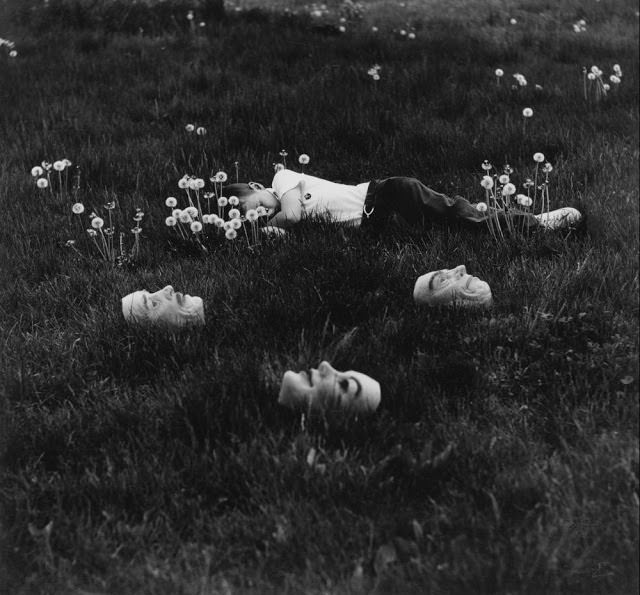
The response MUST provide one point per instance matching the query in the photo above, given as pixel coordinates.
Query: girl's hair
(241, 190)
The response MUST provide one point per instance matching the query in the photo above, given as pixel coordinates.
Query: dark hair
(240, 190)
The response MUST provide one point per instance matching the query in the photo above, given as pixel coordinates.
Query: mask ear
(256, 185)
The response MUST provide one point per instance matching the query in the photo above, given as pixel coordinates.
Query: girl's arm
(290, 208)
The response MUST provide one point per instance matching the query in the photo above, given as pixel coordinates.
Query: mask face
(451, 286)
(165, 307)
(325, 387)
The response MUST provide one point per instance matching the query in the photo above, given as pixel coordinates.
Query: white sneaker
(560, 218)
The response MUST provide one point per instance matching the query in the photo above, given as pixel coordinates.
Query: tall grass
(163, 461)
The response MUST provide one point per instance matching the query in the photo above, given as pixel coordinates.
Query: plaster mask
(164, 307)
(326, 387)
(450, 286)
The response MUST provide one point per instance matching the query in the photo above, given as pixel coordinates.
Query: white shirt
(342, 203)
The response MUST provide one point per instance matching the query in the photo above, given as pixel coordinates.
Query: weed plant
(504, 455)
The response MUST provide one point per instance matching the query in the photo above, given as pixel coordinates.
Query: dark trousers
(417, 204)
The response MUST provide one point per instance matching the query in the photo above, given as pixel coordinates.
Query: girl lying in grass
(294, 196)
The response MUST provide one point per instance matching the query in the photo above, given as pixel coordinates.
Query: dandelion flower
(548, 168)
(183, 183)
(236, 223)
(189, 127)
(234, 201)
(97, 223)
(539, 157)
(92, 233)
(504, 179)
(487, 182)
(201, 131)
(303, 159)
(527, 112)
(523, 200)
(78, 208)
(222, 201)
(221, 177)
(37, 171)
(261, 211)
(231, 234)
(252, 215)
(193, 212)
(234, 214)
(185, 217)
(170, 221)
(481, 207)
(58, 165)
(196, 227)
(42, 183)
(508, 189)
(499, 72)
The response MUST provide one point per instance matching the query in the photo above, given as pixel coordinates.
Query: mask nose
(461, 270)
(325, 368)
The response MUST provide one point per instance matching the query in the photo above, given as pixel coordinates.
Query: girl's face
(262, 198)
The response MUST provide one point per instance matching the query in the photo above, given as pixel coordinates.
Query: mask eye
(344, 385)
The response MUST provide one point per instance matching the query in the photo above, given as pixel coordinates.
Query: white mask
(165, 307)
(450, 286)
(325, 387)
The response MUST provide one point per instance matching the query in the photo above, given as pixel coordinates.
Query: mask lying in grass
(327, 388)
(451, 286)
(165, 308)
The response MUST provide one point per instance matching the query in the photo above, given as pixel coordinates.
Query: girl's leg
(419, 204)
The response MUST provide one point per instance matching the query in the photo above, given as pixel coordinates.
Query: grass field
(138, 461)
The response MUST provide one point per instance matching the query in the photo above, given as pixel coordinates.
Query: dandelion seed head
(504, 179)
(189, 127)
(221, 177)
(523, 200)
(375, 76)
(342, 28)
(13, 54)
(176, 213)
(606, 86)
(201, 131)
(196, 227)
(58, 165)
(513, 21)
(92, 233)
(192, 184)
(481, 207)
(486, 165)
(591, 76)
(78, 208)
(236, 223)
(193, 212)
(303, 159)
(508, 189)
(527, 112)
(252, 215)
(487, 182)
(548, 168)
(199, 183)
(539, 157)
(97, 223)
(170, 221)
(171, 202)
(614, 79)
(223, 201)
(499, 72)
(42, 183)
(36, 171)
(218, 221)
(231, 234)
(411, 35)
(234, 214)
(261, 211)
(234, 201)
(183, 183)
(184, 217)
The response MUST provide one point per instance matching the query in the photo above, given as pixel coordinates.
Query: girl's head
(253, 195)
